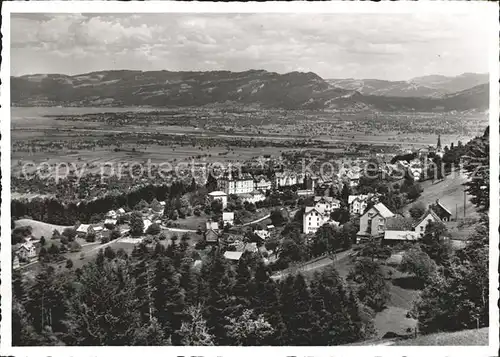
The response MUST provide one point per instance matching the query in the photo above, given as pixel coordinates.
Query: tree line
(157, 296)
(54, 211)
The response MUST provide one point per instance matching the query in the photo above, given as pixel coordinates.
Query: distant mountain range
(435, 86)
(295, 90)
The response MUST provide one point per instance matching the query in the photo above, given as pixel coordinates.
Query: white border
(487, 10)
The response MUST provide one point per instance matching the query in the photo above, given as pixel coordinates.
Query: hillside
(39, 229)
(435, 86)
(294, 90)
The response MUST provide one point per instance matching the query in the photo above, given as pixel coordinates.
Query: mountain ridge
(433, 86)
(293, 90)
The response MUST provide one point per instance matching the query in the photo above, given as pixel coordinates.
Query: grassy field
(461, 338)
(450, 193)
(40, 229)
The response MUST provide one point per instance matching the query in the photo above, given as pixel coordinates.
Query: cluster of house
(150, 215)
(378, 222)
(213, 234)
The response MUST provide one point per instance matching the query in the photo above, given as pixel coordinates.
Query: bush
(153, 229)
(115, 234)
(74, 247)
(200, 245)
(104, 240)
(162, 236)
(69, 264)
(69, 233)
(90, 237)
(418, 263)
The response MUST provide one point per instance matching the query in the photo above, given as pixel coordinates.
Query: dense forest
(159, 297)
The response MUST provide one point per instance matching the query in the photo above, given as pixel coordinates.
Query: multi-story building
(287, 178)
(315, 217)
(262, 184)
(372, 223)
(235, 186)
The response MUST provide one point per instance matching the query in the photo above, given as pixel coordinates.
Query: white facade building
(314, 218)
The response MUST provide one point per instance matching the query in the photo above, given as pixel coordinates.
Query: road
(316, 264)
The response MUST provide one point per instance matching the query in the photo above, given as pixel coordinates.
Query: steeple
(439, 142)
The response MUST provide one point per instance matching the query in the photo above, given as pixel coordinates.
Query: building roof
(211, 235)
(227, 215)
(428, 212)
(212, 225)
(217, 193)
(443, 207)
(83, 228)
(233, 255)
(28, 246)
(262, 233)
(110, 221)
(320, 210)
(353, 198)
(401, 235)
(383, 210)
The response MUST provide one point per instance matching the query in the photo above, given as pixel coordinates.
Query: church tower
(439, 142)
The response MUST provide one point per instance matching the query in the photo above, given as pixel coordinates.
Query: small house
(441, 211)
(228, 218)
(372, 223)
(110, 223)
(262, 233)
(219, 195)
(211, 236)
(233, 255)
(422, 223)
(112, 214)
(120, 211)
(84, 229)
(26, 251)
(212, 225)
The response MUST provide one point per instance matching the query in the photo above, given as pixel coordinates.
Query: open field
(450, 193)
(40, 229)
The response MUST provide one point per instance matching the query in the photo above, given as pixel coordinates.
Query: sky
(382, 46)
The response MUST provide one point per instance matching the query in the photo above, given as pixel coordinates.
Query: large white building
(236, 186)
(262, 184)
(315, 217)
(287, 178)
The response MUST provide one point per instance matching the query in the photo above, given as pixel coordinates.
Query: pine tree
(104, 309)
(219, 303)
(296, 312)
(44, 298)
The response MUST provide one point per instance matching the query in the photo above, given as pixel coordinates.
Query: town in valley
(247, 207)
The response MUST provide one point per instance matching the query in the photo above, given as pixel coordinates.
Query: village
(242, 211)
